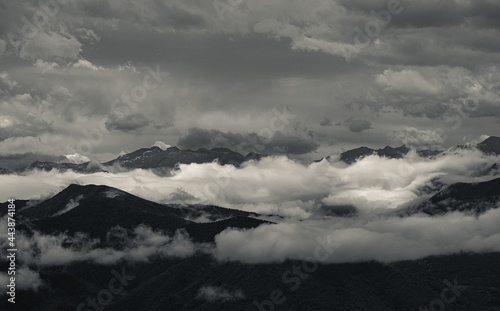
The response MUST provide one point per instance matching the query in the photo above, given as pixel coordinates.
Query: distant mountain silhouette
(155, 157)
(147, 158)
(159, 160)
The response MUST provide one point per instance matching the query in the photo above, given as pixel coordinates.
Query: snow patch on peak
(77, 158)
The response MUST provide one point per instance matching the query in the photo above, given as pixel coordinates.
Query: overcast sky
(312, 78)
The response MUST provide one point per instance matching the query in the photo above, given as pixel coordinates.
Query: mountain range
(164, 160)
(106, 220)
(491, 145)
(146, 158)
(469, 198)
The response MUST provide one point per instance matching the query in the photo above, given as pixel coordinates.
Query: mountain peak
(353, 155)
(490, 145)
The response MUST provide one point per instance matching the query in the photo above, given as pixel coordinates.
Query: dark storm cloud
(217, 57)
(32, 127)
(434, 13)
(288, 144)
(6, 83)
(127, 123)
(441, 93)
(261, 54)
(358, 125)
(326, 122)
(96, 8)
(279, 144)
(181, 19)
(148, 14)
(421, 139)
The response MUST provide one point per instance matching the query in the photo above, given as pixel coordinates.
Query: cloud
(277, 185)
(88, 35)
(7, 80)
(375, 186)
(31, 126)
(77, 158)
(215, 294)
(143, 244)
(279, 143)
(161, 145)
(18, 160)
(437, 92)
(71, 205)
(422, 139)
(45, 66)
(82, 63)
(3, 46)
(438, 14)
(406, 81)
(127, 123)
(326, 122)
(358, 125)
(48, 46)
(417, 66)
(385, 239)
(303, 38)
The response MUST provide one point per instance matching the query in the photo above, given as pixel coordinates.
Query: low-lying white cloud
(55, 250)
(276, 185)
(324, 240)
(280, 186)
(339, 240)
(26, 279)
